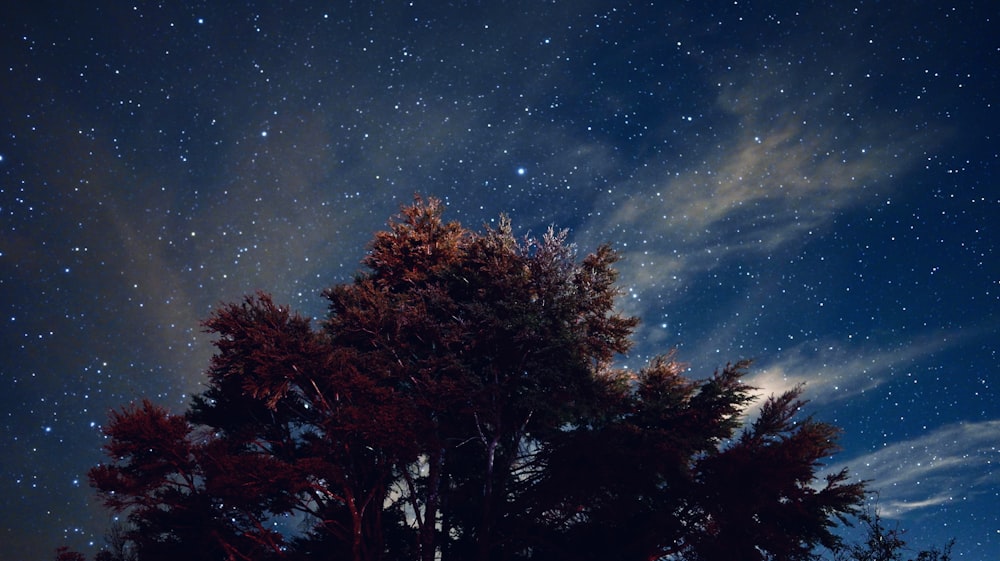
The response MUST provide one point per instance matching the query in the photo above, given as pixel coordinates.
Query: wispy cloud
(832, 372)
(792, 146)
(951, 463)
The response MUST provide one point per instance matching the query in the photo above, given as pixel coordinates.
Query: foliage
(63, 553)
(882, 543)
(460, 402)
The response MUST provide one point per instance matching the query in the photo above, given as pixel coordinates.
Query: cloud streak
(832, 372)
(954, 462)
(784, 162)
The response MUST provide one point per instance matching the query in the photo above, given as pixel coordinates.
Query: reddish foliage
(459, 402)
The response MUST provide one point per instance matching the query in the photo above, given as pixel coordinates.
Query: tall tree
(460, 402)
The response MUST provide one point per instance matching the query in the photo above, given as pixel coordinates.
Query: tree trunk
(485, 534)
(428, 530)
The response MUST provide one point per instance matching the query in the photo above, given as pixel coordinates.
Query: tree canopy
(461, 401)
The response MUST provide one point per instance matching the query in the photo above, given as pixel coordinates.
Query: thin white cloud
(789, 150)
(951, 463)
(832, 372)
(896, 508)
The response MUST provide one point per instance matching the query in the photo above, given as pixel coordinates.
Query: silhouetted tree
(117, 544)
(884, 543)
(63, 553)
(460, 402)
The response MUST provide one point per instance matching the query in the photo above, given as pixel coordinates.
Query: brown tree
(460, 402)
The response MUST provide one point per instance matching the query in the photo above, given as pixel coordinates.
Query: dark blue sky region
(812, 185)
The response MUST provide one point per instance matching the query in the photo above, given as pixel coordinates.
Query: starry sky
(809, 184)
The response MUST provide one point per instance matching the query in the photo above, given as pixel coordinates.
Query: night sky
(814, 187)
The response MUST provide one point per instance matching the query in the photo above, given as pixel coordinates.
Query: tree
(63, 553)
(117, 544)
(882, 543)
(460, 402)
